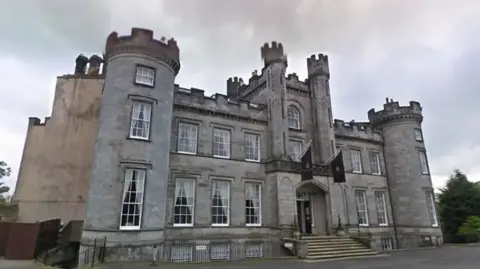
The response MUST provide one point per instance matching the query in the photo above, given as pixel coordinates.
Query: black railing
(92, 255)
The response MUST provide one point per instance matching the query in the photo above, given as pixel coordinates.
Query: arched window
(293, 117)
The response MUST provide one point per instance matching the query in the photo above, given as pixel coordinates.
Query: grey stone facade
(261, 107)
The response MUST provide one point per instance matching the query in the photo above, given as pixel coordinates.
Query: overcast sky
(424, 50)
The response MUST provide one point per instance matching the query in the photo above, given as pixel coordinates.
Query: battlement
(356, 130)
(142, 41)
(195, 98)
(273, 53)
(393, 111)
(318, 65)
(234, 86)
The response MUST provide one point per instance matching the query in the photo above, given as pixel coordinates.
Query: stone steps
(332, 247)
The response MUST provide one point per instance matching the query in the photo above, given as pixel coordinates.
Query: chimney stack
(80, 64)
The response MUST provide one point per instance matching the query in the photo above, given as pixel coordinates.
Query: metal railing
(406, 241)
(201, 250)
(88, 256)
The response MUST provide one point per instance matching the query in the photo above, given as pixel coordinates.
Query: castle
(143, 161)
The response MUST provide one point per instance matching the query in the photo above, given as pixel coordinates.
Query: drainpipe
(389, 194)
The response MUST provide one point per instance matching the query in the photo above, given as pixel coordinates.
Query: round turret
(406, 163)
(130, 165)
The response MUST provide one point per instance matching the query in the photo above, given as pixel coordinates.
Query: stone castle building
(142, 160)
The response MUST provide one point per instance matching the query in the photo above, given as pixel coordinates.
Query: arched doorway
(311, 209)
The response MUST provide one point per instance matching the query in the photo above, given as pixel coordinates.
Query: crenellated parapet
(273, 53)
(142, 41)
(393, 112)
(219, 104)
(235, 85)
(318, 65)
(357, 131)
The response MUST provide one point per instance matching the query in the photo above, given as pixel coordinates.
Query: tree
(5, 171)
(459, 200)
(470, 229)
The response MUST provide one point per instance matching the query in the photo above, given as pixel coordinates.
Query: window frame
(432, 210)
(259, 185)
(360, 160)
(180, 123)
(418, 134)
(257, 136)
(422, 154)
(134, 227)
(132, 120)
(141, 83)
(364, 194)
(190, 180)
(228, 183)
(384, 204)
(298, 120)
(229, 147)
(378, 166)
(293, 140)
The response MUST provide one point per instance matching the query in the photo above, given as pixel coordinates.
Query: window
(375, 163)
(418, 135)
(253, 204)
(181, 253)
(386, 244)
(184, 202)
(431, 208)
(132, 200)
(252, 147)
(423, 162)
(330, 117)
(356, 158)
(220, 251)
(381, 208)
(187, 138)
(293, 117)
(221, 143)
(140, 123)
(253, 250)
(145, 76)
(220, 203)
(295, 148)
(362, 211)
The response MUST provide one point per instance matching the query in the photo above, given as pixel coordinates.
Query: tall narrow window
(362, 210)
(431, 208)
(423, 162)
(356, 159)
(187, 138)
(132, 199)
(253, 204)
(221, 143)
(381, 208)
(293, 117)
(184, 202)
(375, 163)
(140, 122)
(145, 76)
(295, 148)
(220, 203)
(252, 147)
(418, 135)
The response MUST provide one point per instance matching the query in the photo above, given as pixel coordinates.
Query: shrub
(470, 229)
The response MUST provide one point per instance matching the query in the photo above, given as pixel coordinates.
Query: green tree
(470, 229)
(5, 171)
(459, 200)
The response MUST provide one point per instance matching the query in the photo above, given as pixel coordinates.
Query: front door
(304, 214)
